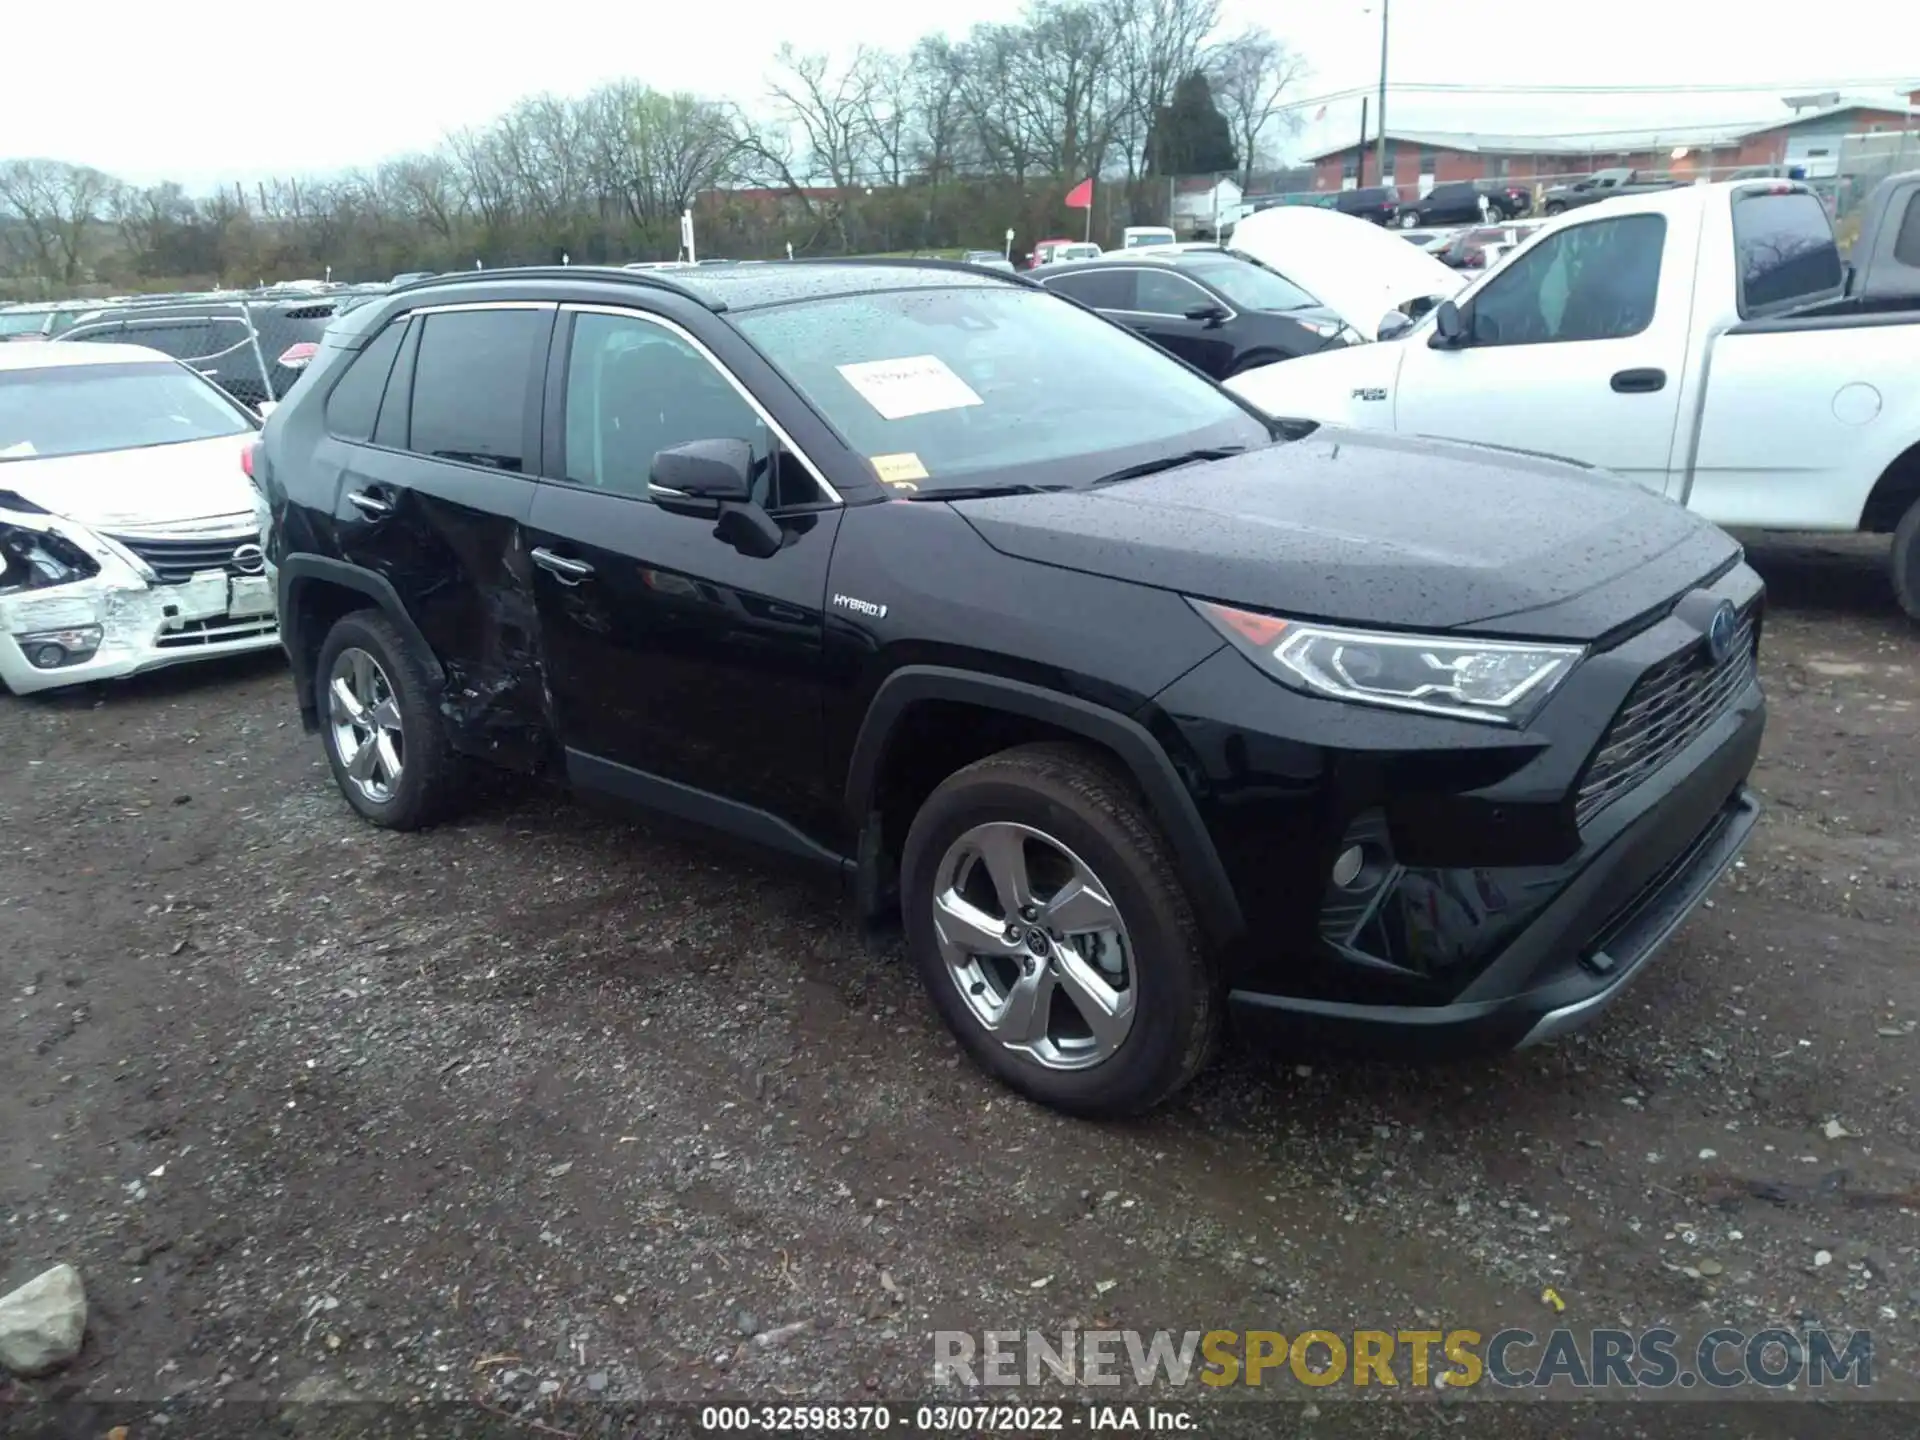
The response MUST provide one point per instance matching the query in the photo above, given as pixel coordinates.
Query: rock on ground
(41, 1323)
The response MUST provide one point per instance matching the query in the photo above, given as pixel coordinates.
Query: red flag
(1081, 196)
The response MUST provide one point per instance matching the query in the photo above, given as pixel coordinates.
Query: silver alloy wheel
(366, 724)
(1035, 945)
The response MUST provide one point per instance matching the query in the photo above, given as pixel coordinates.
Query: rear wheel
(1905, 562)
(385, 740)
(1408, 220)
(1043, 912)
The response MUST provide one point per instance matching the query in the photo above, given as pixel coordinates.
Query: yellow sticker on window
(901, 470)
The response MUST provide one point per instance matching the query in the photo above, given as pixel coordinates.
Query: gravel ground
(544, 1106)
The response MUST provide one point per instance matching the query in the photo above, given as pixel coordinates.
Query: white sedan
(130, 534)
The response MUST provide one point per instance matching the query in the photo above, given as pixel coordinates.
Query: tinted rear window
(355, 400)
(470, 387)
(1784, 247)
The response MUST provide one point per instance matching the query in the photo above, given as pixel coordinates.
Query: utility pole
(1360, 154)
(1381, 119)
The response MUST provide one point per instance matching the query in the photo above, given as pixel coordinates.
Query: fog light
(1347, 868)
(1359, 869)
(52, 649)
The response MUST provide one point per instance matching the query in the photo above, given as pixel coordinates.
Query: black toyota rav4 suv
(1140, 710)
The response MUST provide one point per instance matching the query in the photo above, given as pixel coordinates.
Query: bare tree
(1251, 73)
(54, 206)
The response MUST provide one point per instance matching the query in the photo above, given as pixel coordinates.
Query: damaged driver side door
(434, 502)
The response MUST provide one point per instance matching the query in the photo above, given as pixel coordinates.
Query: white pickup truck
(1706, 342)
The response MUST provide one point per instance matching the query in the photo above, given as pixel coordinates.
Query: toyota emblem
(1720, 632)
(249, 560)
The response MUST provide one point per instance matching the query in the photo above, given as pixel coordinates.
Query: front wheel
(1408, 220)
(1053, 935)
(1905, 562)
(1554, 207)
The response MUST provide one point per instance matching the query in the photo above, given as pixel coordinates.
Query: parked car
(41, 321)
(1468, 249)
(129, 534)
(989, 260)
(1464, 202)
(1052, 252)
(1603, 185)
(254, 348)
(1137, 237)
(1219, 311)
(1357, 269)
(1378, 203)
(1703, 342)
(927, 577)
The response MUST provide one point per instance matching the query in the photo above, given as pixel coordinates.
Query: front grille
(1665, 712)
(196, 633)
(177, 559)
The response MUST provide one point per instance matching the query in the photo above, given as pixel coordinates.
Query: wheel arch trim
(1194, 855)
(298, 571)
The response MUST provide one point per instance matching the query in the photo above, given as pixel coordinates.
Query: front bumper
(1517, 879)
(143, 625)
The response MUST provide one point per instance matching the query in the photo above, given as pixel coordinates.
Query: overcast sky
(286, 89)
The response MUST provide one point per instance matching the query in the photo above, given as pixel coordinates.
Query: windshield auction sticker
(901, 470)
(915, 385)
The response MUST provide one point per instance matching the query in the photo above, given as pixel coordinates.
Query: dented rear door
(436, 503)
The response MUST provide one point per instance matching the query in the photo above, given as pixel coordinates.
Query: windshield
(1249, 284)
(86, 409)
(27, 322)
(988, 385)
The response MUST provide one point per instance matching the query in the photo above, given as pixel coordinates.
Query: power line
(1438, 87)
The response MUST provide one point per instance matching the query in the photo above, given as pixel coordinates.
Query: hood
(128, 489)
(1370, 529)
(1358, 268)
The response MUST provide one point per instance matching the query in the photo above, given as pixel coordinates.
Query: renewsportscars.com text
(1606, 1359)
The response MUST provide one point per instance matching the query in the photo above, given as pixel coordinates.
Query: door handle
(1639, 382)
(568, 570)
(371, 505)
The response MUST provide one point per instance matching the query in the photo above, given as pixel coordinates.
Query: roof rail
(929, 262)
(645, 279)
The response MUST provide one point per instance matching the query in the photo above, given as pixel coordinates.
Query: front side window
(88, 409)
(1596, 281)
(1784, 247)
(991, 385)
(470, 387)
(1164, 293)
(635, 388)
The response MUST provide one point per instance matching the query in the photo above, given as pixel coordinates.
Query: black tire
(1905, 562)
(432, 778)
(1554, 207)
(1078, 797)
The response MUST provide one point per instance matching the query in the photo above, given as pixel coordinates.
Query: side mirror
(1393, 325)
(713, 479)
(1207, 311)
(1449, 328)
(704, 472)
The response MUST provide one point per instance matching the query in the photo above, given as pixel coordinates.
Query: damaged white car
(130, 534)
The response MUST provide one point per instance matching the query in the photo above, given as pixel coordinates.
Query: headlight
(1503, 681)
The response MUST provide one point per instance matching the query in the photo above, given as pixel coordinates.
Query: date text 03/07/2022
(944, 1419)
